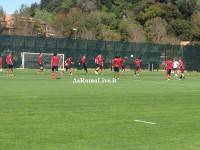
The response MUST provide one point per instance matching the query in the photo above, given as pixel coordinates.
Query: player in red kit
(9, 61)
(40, 63)
(181, 68)
(68, 65)
(55, 60)
(1, 63)
(137, 62)
(168, 67)
(83, 63)
(116, 64)
(99, 63)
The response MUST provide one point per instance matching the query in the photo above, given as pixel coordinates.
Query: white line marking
(142, 121)
(29, 97)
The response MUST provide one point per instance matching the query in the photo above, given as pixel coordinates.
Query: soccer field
(135, 113)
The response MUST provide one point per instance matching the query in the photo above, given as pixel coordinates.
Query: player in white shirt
(175, 67)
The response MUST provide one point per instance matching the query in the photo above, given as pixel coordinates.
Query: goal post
(30, 60)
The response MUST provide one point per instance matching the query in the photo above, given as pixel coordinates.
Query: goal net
(30, 60)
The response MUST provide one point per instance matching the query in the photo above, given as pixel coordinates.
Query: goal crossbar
(23, 55)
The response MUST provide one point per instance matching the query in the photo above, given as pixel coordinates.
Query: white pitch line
(142, 121)
(29, 97)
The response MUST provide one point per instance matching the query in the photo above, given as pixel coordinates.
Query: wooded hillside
(161, 21)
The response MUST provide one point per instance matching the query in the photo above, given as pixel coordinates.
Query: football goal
(30, 60)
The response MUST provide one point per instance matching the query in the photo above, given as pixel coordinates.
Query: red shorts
(67, 67)
(137, 67)
(169, 71)
(99, 66)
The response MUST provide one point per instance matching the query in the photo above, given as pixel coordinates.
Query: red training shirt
(40, 59)
(68, 61)
(1, 61)
(83, 60)
(181, 64)
(137, 62)
(9, 59)
(55, 60)
(168, 64)
(116, 62)
(99, 60)
(122, 61)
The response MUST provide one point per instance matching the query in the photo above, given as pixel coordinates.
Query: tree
(2, 18)
(39, 30)
(44, 3)
(156, 29)
(131, 31)
(64, 6)
(182, 29)
(162, 1)
(45, 16)
(171, 12)
(87, 5)
(24, 10)
(50, 5)
(187, 7)
(75, 18)
(33, 8)
(127, 20)
(109, 35)
(140, 6)
(109, 19)
(196, 26)
(151, 12)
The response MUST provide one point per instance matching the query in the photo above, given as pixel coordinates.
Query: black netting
(150, 53)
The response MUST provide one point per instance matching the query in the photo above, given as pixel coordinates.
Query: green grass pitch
(37, 113)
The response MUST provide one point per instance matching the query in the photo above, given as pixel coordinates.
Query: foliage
(107, 34)
(171, 12)
(156, 29)
(75, 18)
(131, 31)
(196, 26)
(2, 16)
(126, 20)
(24, 10)
(33, 9)
(182, 29)
(187, 7)
(45, 16)
(87, 5)
(50, 5)
(150, 12)
(109, 19)
(39, 29)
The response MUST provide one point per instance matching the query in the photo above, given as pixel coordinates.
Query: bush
(182, 29)
(187, 7)
(149, 13)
